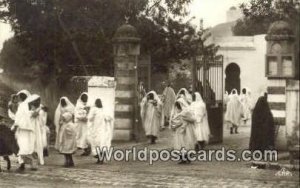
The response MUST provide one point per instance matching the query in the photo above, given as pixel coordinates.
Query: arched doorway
(232, 80)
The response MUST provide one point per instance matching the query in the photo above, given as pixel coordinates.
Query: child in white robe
(65, 141)
(67, 138)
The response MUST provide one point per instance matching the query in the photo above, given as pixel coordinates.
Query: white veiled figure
(198, 107)
(151, 114)
(233, 92)
(246, 101)
(29, 133)
(185, 94)
(234, 111)
(81, 113)
(22, 108)
(20, 117)
(64, 106)
(182, 122)
(100, 128)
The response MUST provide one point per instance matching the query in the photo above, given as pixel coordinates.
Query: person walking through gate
(234, 112)
(152, 115)
(202, 132)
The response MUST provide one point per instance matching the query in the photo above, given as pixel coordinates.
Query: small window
(272, 66)
(287, 66)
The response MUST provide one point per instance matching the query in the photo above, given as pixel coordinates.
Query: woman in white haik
(202, 132)
(184, 93)
(29, 131)
(100, 130)
(152, 115)
(182, 123)
(19, 118)
(81, 112)
(234, 112)
(65, 130)
(246, 101)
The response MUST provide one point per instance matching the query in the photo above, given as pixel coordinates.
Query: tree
(53, 34)
(259, 14)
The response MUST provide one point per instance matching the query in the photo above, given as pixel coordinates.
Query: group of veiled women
(27, 137)
(240, 108)
(184, 113)
(88, 127)
(84, 126)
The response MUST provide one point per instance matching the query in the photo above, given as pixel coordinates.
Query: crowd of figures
(238, 109)
(84, 126)
(184, 113)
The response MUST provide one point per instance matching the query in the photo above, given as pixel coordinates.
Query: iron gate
(208, 77)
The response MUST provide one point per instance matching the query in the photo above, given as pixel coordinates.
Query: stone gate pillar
(126, 53)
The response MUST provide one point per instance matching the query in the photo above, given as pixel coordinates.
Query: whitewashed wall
(249, 54)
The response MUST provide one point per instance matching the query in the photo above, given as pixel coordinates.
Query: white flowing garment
(81, 114)
(234, 111)
(152, 116)
(183, 124)
(198, 107)
(30, 129)
(187, 96)
(59, 112)
(247, 104)
(100, 130)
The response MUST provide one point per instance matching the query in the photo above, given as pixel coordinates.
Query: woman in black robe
(8, 144)
(262, 129)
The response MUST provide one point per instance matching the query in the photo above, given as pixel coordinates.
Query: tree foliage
(259, 14)
(53, 34)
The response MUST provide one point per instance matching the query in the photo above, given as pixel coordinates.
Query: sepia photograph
(149, 93)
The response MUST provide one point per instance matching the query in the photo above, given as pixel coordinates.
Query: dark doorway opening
(232, 80)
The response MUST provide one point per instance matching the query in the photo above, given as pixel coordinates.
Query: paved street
(141, 174)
